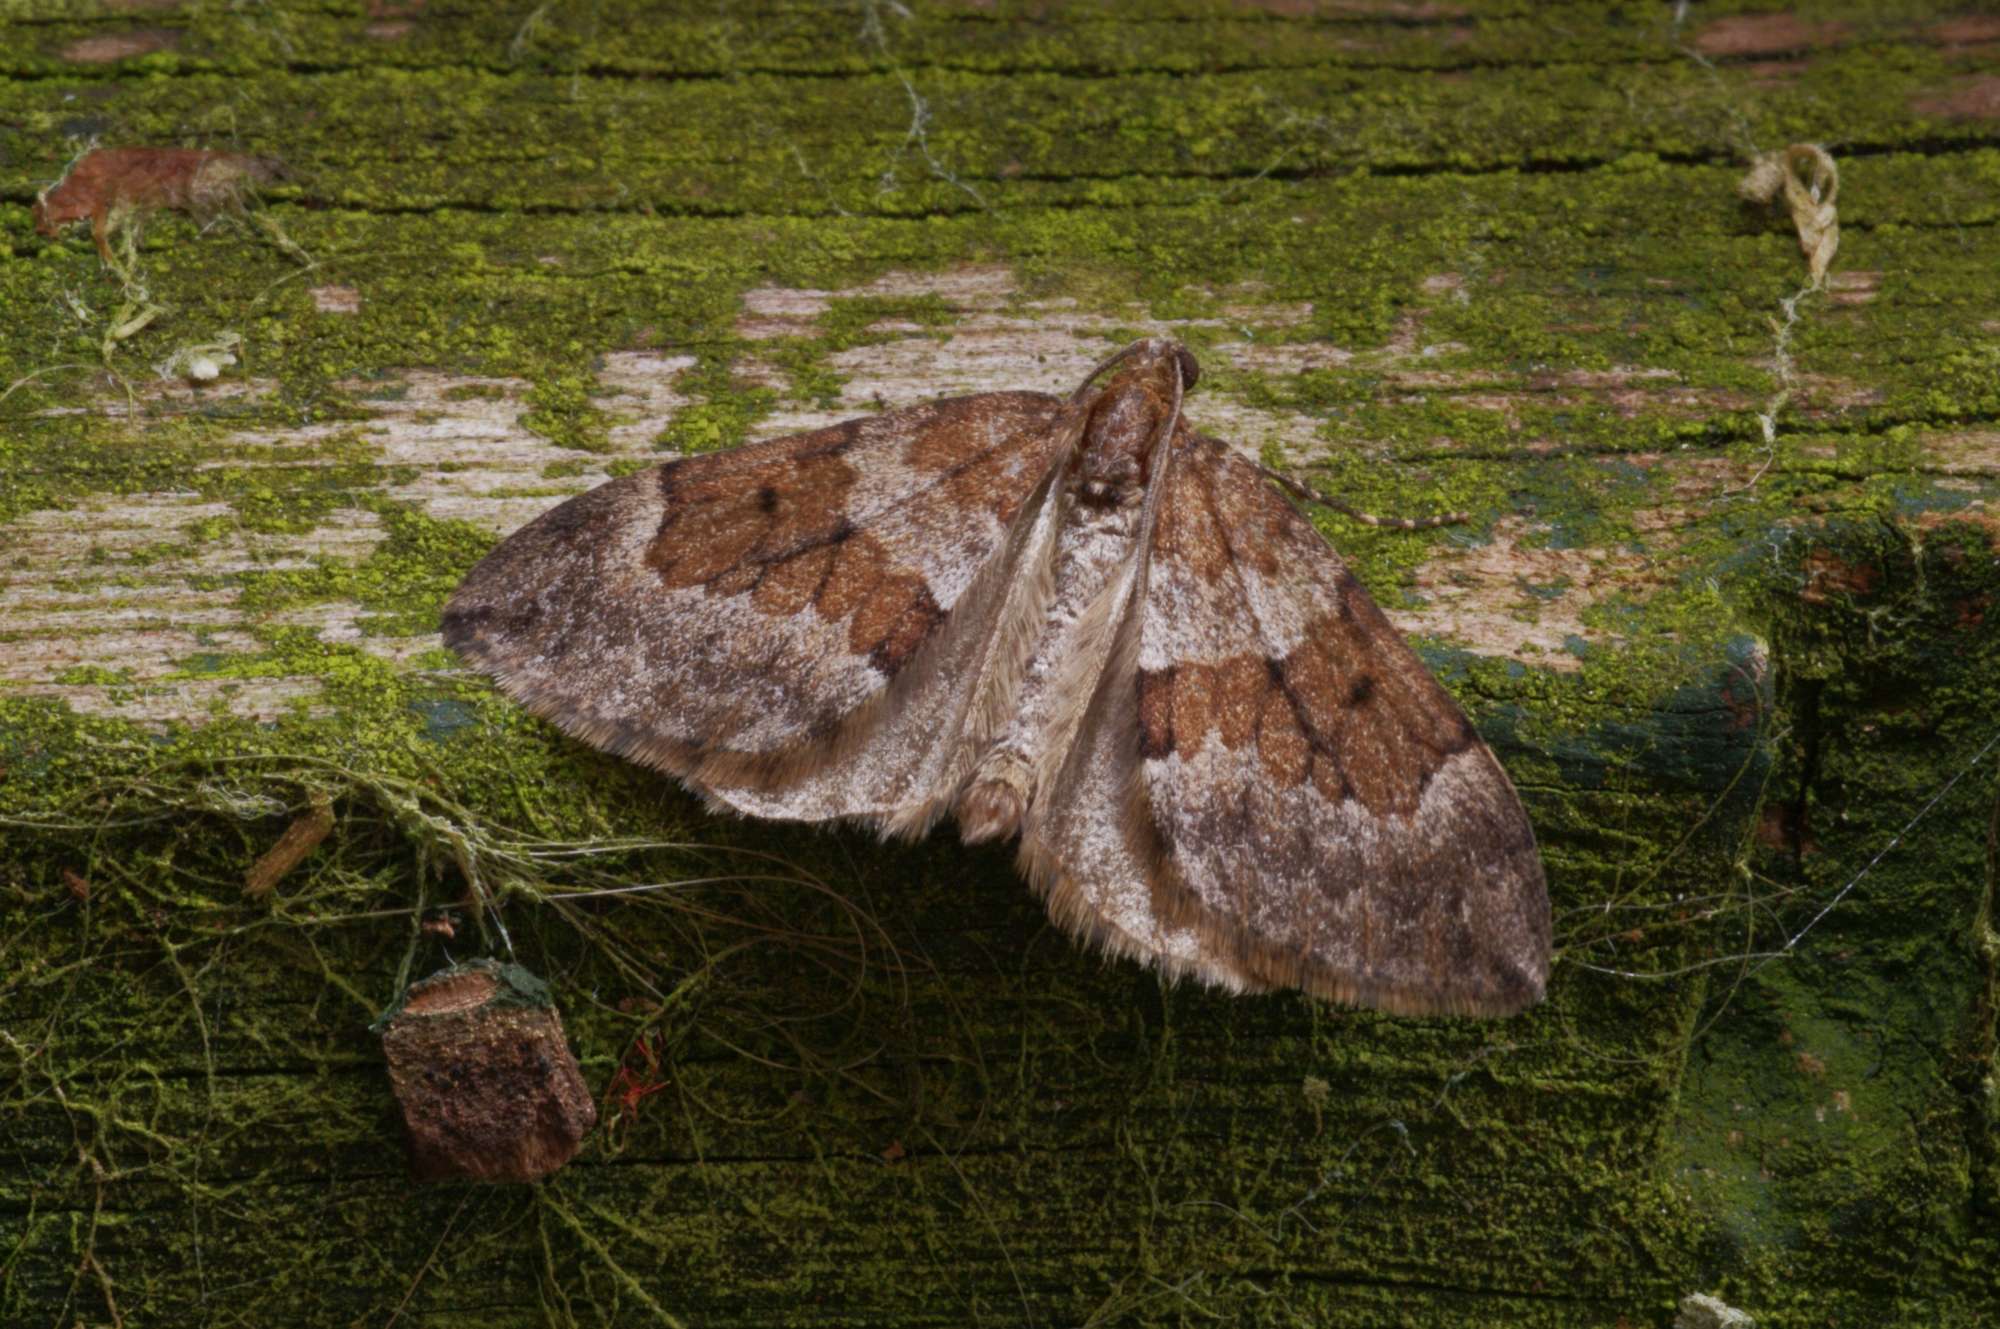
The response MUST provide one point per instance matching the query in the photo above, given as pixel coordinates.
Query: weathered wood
(1471, 256)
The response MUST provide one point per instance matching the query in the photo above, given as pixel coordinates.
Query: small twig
(300, 838)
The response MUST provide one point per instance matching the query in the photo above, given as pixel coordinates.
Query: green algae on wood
(886, 1089)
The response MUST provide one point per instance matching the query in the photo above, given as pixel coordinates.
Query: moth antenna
(1106, 363)
(1311, 495)
(1183, 376)
(1114, 359)
(1174, 415)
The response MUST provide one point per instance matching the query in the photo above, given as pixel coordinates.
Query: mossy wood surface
(1725, 606)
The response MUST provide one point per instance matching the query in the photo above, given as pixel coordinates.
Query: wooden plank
(1485, 257)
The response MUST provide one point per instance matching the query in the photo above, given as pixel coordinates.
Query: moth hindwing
(1074, 621)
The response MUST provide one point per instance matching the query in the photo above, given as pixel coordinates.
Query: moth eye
(1190, 371)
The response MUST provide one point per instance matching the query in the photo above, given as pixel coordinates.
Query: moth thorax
(1127, 421)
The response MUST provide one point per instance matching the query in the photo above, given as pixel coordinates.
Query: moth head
(1159, 355)
(1132, 411)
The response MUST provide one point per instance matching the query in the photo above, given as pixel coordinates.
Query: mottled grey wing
(1312, 803)
(727, 617)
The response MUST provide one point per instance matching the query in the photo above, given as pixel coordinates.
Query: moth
(1072, 621)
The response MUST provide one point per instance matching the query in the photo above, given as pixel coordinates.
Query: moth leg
(1310, 495)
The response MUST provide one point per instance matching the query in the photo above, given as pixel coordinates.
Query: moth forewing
(898, 763)
(735, 618)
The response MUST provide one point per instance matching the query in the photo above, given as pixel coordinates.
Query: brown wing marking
(1314, 804)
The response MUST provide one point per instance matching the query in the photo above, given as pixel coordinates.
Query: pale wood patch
(456, 448)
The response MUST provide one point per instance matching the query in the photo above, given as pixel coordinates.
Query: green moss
(1205, 1062)
(91, 674)
(561, 411)
(722, 412)
(45, 465)
(291, 652)
(1826, 1101)
(408, 574)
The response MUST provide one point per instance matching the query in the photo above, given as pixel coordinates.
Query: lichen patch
(1963, 451)
(640, 390)
(465, 454)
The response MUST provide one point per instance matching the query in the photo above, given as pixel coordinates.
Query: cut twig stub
(487, 1083)
(299, 839)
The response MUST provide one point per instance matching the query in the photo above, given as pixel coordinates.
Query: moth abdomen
(990, 809)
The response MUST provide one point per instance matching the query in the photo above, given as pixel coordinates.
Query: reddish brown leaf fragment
(105, 182)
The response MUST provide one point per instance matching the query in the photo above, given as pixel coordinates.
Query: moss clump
(723, 414)
(561, 411)
(406, 577)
